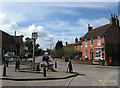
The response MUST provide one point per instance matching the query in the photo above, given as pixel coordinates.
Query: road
(90, 75)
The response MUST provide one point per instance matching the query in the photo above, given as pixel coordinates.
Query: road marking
(68, 84)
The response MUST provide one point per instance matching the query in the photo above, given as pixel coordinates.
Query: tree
(28, 43)
(59, 45)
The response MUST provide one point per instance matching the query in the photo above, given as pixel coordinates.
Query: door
(91, 54)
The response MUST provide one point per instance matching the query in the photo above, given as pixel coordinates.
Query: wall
(89, 47)
(112, 42)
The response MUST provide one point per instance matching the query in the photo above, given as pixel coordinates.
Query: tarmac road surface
(90, 75)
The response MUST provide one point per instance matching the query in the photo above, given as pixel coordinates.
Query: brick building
(102, 42)
(10, 43)
(78, 46)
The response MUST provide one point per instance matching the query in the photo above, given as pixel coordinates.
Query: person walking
(7, 62)
(17, 66)
(70, 67)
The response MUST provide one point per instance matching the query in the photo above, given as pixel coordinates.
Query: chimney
(89, 28)
(117, 21)
(76, 40)
(113, 15)
(114, 20)
(80, 38)
(15, 33)
(66, 43)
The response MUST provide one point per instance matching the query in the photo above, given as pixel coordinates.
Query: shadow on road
(78, 73)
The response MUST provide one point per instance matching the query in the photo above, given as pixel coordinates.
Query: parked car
(9, 54)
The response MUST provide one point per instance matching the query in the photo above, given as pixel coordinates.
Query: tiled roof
(96, 32)
(70, 45)
(78, 43)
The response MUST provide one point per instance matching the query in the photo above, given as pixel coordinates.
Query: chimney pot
(88, 25)
(80, 38)
(113, 15)
(89, 28)
(76, 40)
(15, 33)
(66, 43)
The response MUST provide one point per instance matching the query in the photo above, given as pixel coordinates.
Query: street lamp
(34, 37)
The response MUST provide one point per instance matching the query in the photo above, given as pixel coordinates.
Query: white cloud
(44, 38)
(78, 30)
(6, 24)
(9, 26)
(94, 22)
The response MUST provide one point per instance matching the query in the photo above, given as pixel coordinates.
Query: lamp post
(34, 37)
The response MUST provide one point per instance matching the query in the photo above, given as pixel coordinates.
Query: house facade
(102, 42)
(10, 43)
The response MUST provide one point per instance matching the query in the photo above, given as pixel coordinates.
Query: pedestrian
(7, 62)
(103, 63)
(69, 66)
(17, 67)
(38, 67)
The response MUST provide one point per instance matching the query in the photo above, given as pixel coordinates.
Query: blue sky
(54, 20)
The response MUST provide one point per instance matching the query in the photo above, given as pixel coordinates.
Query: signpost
(34, 37)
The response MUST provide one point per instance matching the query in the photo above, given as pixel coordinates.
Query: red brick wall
(78, 48)
(89, 47)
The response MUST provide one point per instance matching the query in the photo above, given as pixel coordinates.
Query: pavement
(89, 76)
(26, 73)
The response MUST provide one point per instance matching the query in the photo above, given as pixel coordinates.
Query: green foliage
(64, 53)
(29, 43)
(13, 56)
(67, 58)
(59, 53)
(63, 57)
(25, 51)
(48, 50)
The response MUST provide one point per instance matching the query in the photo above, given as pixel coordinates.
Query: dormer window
(98, 40)
(85, 42)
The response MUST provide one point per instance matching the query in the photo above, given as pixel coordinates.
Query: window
(91, 41)
(80, 47)
(85, 42)
(98, 40)
(85, 53)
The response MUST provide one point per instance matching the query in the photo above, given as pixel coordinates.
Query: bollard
(55, 64)
(44, 74)
(4, 70)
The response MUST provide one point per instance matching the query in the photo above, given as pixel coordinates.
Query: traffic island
(31, 75)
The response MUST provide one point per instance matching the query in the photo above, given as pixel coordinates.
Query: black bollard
(44, 74)
(4, 70)
(55, 64)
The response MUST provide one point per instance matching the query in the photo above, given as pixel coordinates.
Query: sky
(54, 20)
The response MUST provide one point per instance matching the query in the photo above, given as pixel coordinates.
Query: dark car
(45, 58)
